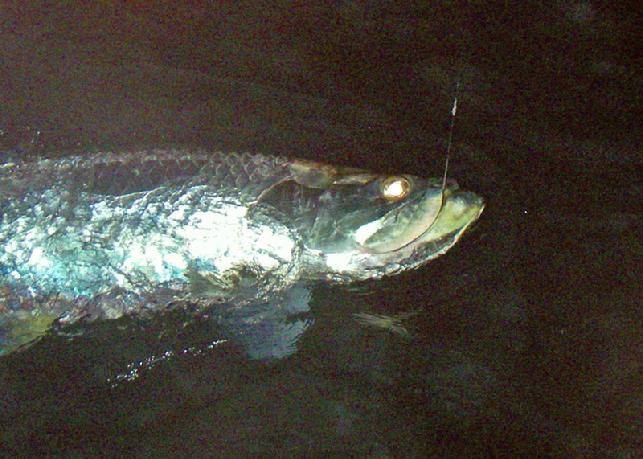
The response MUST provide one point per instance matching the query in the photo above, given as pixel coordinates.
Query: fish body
(107, 235)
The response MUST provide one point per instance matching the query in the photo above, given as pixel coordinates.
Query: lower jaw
(426, 249)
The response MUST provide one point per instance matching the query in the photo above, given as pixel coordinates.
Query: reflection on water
(133, 370)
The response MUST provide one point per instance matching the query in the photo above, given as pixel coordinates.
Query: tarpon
(107, 235)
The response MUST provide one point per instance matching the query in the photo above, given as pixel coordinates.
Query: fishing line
(454, 109)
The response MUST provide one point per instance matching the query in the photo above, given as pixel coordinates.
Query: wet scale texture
(136, 224)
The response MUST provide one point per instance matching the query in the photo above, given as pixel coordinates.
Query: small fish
(107, 235)
(386, 322)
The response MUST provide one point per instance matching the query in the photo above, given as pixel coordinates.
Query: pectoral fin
(270, 330)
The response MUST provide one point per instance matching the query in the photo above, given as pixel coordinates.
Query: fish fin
(270, 330)
(21, 329)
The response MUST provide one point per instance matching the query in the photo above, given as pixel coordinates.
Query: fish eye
(395, 188)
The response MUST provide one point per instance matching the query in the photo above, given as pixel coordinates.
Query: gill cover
(408, 221)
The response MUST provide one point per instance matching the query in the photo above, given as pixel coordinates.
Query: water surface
(525, 340)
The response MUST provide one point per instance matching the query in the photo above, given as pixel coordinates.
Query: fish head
(361, 225)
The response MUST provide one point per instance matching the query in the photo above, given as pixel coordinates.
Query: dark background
(528, 339)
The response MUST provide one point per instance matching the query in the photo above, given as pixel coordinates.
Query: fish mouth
(438, 221)
(460, 210)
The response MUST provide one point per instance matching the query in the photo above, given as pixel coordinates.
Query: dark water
(527, 341)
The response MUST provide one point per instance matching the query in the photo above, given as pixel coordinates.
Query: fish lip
(460, 231)
(418, 243)
(473, 200)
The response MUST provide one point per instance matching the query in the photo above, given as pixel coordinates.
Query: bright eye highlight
(395, 188)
